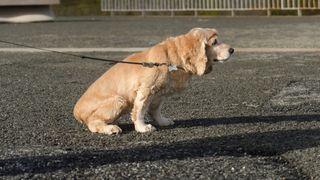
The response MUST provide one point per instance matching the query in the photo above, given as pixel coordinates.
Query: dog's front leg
(155, 112)
(140, 106)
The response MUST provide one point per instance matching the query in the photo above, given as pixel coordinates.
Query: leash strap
(144, 64)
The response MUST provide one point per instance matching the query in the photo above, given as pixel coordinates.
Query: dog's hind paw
(112, 129)
(100, 127)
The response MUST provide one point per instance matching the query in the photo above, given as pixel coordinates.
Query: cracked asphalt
(256, 116)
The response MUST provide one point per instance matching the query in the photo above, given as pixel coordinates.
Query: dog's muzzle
(230, 51)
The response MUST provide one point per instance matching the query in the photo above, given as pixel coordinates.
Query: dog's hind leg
(102, 120)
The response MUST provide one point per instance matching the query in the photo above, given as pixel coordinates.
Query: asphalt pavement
(256, 116)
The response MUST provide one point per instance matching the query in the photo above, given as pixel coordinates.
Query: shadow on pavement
(243, 120)
(251, 144)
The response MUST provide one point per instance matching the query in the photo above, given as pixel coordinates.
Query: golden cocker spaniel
(137, 89)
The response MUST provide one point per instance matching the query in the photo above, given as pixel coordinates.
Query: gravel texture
(256, 116)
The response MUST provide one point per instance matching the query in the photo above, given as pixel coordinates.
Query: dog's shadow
(271, 143)
(206, 122)
(243, 120)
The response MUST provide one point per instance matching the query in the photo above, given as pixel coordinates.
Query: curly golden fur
(133, 88)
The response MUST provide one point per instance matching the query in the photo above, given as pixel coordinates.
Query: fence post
(268, 12)
(299, 12)
(269, 8)
(172, 13)
(143, 12)
(195, 13)
(196, 9)
(112, 7)
(232, 8)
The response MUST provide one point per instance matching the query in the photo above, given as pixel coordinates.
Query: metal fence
(207, 5)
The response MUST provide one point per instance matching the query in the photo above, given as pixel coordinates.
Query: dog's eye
(215, 42)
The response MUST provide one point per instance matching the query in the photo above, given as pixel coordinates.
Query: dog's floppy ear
(196, 60)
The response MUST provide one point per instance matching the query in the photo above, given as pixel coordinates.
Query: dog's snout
(231, 50)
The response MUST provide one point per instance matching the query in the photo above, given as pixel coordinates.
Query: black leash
(144, 64)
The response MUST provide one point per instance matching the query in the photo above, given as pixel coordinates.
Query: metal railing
(207, 5)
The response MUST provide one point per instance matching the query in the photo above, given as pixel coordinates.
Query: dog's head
(207, 49)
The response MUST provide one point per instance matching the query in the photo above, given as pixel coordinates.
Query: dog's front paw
(145, 128)
(164, 122)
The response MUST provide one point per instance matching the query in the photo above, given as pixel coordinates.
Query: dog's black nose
(231, 50)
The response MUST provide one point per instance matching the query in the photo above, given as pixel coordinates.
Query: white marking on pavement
(295, 95)
(137, 49)
(277, 49)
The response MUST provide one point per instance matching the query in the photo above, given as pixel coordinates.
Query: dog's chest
(174, 82)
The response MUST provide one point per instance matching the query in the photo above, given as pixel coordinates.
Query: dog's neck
(176, 59)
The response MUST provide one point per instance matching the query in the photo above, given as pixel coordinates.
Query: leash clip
(172, 67)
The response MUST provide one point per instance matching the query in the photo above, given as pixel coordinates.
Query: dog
(139, 90)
